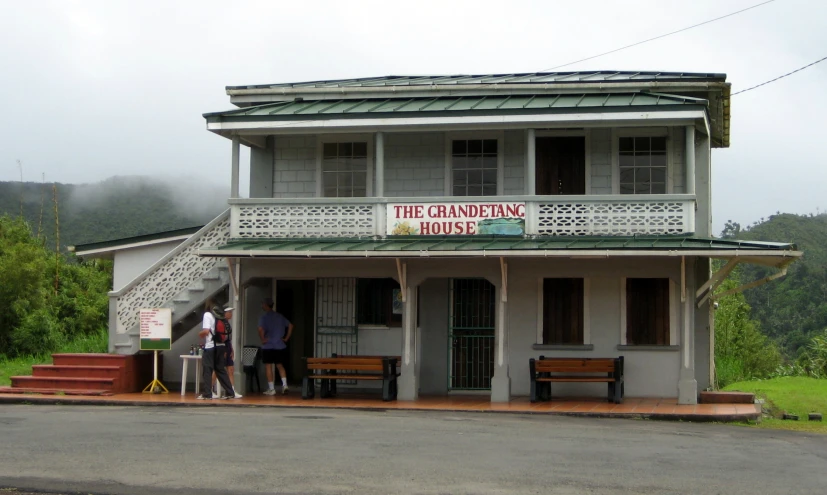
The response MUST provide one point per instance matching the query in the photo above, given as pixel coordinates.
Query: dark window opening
(379, 302)
(563, 311)
(647, 311)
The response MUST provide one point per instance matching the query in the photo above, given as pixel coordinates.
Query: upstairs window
(345, 170)
(474, 167)
(642, 165)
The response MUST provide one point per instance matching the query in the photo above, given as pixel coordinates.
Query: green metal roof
(465, 244)
(113, 243)
(577, 77)
(302, 109)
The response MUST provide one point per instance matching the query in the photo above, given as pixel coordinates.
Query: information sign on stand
(156, 329)
(156, 335)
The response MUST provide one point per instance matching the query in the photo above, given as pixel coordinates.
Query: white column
(234, 187)
(687, 384)
(530, 162)
(689, 155)
(408, 380)
(501, 381)
(380, 164)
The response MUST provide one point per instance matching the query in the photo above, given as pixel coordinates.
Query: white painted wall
(130, 263)
(649, 372)
(415, 164)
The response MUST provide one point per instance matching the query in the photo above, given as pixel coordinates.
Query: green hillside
(114, 208)
(791, 310)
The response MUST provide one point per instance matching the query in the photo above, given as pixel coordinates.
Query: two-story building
(469, 223)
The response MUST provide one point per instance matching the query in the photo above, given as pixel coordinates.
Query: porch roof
(765, 253)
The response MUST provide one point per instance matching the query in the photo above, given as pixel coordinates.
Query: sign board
(156, 329)
(456, 219)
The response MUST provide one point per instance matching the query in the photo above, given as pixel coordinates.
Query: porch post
(237, 324)
(530, 162)
(689, 154)
(687, 384)
(380, 165)
(501, 381)
(409, 379)
(234, 184)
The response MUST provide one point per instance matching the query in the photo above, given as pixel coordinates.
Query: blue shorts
(230, 361)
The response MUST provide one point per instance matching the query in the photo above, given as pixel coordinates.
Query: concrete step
(52, 391)
(60, 383)
(718, 397)
(72, 371)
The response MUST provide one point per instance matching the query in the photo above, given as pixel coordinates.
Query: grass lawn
(19, 367)
(793, 394)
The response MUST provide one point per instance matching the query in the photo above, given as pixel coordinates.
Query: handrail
(586, 198)
(178, 249)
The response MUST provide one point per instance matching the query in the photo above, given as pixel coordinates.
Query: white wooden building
(469, 223)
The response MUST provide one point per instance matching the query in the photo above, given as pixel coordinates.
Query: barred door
(471, 334)
(336, 330)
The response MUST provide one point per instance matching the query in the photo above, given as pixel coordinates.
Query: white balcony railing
(258, 218)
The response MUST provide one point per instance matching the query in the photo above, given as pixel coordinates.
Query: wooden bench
(329, 370)
(544, 371)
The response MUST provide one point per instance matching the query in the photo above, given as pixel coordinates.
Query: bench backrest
(576, 365)
(384, 366)
(397, 359)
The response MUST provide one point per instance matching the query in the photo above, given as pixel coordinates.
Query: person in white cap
(215, 330)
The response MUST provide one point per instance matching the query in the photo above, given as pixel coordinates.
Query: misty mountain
(115, 208)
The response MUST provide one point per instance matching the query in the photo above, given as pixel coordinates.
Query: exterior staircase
(181, 281)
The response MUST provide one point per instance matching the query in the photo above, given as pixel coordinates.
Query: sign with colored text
(456, 219)
(156, 329)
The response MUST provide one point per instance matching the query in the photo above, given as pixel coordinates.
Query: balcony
(263, 218)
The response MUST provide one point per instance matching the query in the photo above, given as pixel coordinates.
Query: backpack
(223, 331)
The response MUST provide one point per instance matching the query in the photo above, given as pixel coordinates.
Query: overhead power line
(658, 37)
(779, 77)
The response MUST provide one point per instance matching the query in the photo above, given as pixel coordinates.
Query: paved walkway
(630, 408)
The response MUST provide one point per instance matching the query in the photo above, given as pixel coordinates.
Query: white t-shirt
(208, 324)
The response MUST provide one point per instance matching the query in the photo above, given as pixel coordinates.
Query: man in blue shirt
(274, 331)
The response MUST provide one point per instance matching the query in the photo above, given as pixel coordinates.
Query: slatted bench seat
(545, 371)
(329, 370)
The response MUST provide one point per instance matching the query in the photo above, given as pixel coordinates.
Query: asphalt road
(205, 450)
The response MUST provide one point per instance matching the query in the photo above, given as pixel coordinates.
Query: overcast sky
(93, 89)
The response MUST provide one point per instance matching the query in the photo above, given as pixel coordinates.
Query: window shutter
(647, 311)
(563, 311)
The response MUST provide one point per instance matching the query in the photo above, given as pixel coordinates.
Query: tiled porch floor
(630, 408)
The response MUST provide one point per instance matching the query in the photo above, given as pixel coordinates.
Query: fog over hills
(117, 207)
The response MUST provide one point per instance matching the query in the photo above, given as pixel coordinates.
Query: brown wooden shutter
(563, 311)
(647, 311)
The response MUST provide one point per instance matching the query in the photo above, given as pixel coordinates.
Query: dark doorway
(560, 165)
(295, 300)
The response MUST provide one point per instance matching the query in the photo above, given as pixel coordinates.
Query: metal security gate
(336, 329)
(471, 335)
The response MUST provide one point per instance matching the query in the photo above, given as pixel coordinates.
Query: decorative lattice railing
(170, 276)
(613, 217)
(304, 220)
(545, 216)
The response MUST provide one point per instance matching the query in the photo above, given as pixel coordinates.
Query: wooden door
(560, 165)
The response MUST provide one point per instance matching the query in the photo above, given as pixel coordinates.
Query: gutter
(489, 88)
